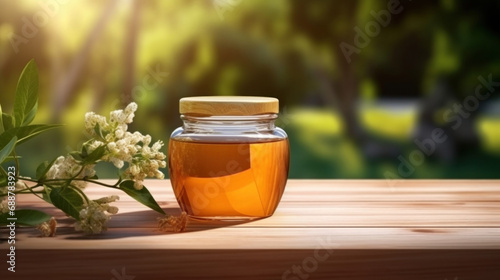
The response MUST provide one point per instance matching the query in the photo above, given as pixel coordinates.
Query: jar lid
(228, 105)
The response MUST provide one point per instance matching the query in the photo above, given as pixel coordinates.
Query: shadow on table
(129, 224)
(144, 223)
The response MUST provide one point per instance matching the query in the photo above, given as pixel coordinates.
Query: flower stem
(115, 186)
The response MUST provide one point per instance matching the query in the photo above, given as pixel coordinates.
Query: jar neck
(240, 124)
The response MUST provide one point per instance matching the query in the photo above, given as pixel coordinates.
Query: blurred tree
(66, 88)
(130, 53)
(331, 23)
(465, 56)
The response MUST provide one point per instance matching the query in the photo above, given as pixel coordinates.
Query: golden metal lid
(228, 105)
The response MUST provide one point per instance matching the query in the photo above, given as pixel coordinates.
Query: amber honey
(229, 180)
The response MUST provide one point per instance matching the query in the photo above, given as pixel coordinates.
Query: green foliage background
(100, 55)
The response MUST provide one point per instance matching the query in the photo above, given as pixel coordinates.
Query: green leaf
(68, 200)
(30, 116)
(46, 194)
(94, 156)
(25, 217)
(43, 168)
(7, 149)
(98, 131)
(6, 136)
(3, 177)
(76, 155)
(26, 99)
(84, 151)
(1, 120)
(25, 133)
(7, 121)
(142, 195)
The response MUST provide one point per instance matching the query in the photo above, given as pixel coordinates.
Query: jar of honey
(228, 161)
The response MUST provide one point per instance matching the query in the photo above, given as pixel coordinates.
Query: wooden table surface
(322, 229)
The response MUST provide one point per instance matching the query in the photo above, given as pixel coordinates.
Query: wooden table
(323, 229)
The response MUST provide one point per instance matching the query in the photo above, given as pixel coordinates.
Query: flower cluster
(123, 146)
(93, 218)
(61, 183)
(68, 168)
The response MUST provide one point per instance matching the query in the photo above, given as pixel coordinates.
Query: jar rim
(222, 118)
(228, 106)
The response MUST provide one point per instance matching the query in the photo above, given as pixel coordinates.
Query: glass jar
(228, 161)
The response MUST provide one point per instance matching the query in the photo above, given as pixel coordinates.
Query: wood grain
(415, 229)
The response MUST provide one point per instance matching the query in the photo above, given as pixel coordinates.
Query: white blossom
(20, 185)
(123, 148)
(107, 199)
(117, 162)
(92, 119)
(67, 167)
(93, 218)
(134, 148)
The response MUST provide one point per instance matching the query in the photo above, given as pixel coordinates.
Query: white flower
(112, 210)
(157, 146)
(131, 108)
(119, 133)
(125, 116)
(129, 112)
(67, 167)
(107, 199)
(20, 185)
(134, 170)
(117, 162)
(138, 185)
(93, 220)
(146, 140)
(159, 175)
(117, 117)
(112, 147)
(122, 147)
(92, 120)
